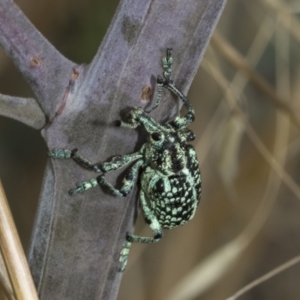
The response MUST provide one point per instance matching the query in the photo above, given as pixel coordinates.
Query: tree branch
(139, 34)
(25, 110)
(45, 69)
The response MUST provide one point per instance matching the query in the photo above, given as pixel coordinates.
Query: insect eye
(156, 136)
(160, 187)
(191, 136)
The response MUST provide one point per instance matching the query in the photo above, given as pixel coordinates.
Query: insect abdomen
(174, 200)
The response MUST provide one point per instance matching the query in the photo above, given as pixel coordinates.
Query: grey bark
(77, 240)
(25, 110)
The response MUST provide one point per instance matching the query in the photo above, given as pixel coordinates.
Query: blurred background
(246, 94)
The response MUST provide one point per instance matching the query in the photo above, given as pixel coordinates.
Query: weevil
(166, 167)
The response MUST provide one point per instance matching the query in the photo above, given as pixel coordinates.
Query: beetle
(166, 166)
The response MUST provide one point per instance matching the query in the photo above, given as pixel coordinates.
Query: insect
(166, 166)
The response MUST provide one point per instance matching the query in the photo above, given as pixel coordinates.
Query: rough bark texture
(77, 240)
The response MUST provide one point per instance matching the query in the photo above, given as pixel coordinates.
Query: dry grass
(20, 280)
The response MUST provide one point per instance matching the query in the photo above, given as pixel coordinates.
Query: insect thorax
(168, 153)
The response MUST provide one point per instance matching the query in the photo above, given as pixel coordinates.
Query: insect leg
(128, 180)
(124, 255)
(151, 220)
(119, 161)
(83, 186)
(167, 62)
(115, 163)
(130, 238)
(64, 153)
(159, 85)
(180, 122)
(140, 117)
(127, 125)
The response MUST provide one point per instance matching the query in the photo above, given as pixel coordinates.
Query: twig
(46, 70)
(25, 110)
(13, 254)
